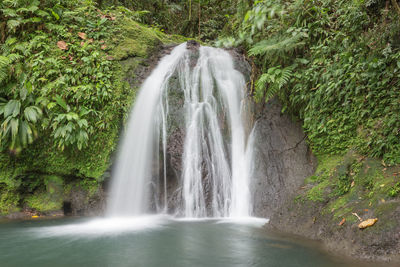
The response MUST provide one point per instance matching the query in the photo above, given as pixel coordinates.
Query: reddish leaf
(62, 45)
(103, 47)
(342, 221)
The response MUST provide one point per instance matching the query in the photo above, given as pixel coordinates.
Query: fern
(4, 67)
(277, 46)
(270, 84)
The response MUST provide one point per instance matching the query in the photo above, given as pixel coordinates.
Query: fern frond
(269, 84)
(260, 86)
(286, 75)
(271, 92)
(277, 46)
(4, 67)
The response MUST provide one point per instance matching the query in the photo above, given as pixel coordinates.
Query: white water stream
(215, 161)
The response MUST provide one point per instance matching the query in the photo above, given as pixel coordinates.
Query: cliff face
(282, 160)
(343, 192)
(321, 197)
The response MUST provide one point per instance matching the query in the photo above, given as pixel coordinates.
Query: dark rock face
(80, 202)
(282, 160)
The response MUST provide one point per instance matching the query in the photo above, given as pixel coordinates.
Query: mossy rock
(137, 40)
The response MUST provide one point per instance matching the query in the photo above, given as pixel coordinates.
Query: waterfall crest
(214, 180)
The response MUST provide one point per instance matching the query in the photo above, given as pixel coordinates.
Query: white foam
(251, 221)
(104, 226)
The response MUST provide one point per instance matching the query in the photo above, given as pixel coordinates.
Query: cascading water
(215, 164)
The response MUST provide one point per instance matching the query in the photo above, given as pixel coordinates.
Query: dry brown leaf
(82, 43)
(90, 40)
(367, 223)
(109, 58)
(352, 184)
(103, 47)
(62, 45)
(82, 35)
(342, 221)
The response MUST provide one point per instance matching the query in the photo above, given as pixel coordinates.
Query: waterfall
(214, 180)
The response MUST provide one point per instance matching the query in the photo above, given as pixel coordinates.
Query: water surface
(151, 241)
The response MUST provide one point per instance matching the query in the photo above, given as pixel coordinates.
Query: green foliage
(4, 69)
(55, 56)
(64, 93)
(8, 201)
(20, 117)
(275, 79)
(202, 19)
(42, 201)
(344, 85)
(394, 190)
(317, 193)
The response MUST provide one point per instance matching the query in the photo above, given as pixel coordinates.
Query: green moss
(317, 193)
(138, 40)
(9, 201)
(337, 204)
(367, 184)
(327, 163)
(350, 218)
(43, 201)
(385, 208)
(90, 186)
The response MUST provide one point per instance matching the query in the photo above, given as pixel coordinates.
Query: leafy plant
(344, 85)
(4, 66)
(70, 128)
(20, 118)
(275, 79)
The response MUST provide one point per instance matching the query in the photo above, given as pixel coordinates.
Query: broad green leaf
(14, 123)
(32, 114)
(61, 102)
(55, 14)
(12, 108)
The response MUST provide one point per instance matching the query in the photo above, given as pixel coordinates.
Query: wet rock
(81, 202)
(282, 160)
(192, 45)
